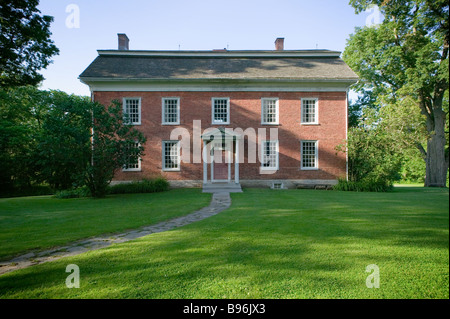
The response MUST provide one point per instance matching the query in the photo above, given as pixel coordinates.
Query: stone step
(222, 187)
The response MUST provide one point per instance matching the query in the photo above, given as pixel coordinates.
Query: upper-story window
(310, 111)
(171, 110)
(220, 110)
(269, 111)
(132, 110)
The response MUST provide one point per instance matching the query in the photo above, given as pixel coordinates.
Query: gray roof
(218, 65)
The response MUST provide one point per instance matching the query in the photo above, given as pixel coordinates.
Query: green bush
(144, 186)
(73, 193)
(374, 159)
(363, 186)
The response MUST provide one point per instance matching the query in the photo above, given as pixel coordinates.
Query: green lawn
(271, 244)
(36, 223)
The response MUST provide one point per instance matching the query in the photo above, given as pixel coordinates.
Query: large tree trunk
(436, 157)
(436, 163)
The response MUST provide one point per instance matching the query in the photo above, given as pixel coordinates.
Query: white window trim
(138, 169)
(277, 183)
(164, 155)
(277, 167)
(163, 112)
(124, 108)
(212, 110)
(276, 108)
(316, 167)
(316, 118)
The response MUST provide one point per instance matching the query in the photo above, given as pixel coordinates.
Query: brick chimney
(123, 41)
(279, 44)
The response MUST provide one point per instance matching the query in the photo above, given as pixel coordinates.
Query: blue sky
(189, 25)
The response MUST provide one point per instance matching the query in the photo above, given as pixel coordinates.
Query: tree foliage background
(25, 43)
(398, 125)
(51, 137)
(403, 67)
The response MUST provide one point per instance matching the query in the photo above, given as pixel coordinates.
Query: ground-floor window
(309, 154)
(171, 155)
(132, 161)
(269, 154)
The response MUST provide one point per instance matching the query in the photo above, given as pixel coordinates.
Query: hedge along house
(268, 118)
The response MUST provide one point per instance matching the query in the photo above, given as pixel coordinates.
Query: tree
(63, 147)
(114, 144)
(25, 44)
(366, 100)
(406, 57)
(85, 143)
(373, 156)
(63, 140)
(21, 113)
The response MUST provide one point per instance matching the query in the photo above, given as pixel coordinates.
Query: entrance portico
(219, 146)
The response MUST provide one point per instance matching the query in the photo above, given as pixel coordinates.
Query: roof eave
(224, 54)
(86, 80)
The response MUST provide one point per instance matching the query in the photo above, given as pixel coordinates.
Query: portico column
(205, 165)
(236, 163)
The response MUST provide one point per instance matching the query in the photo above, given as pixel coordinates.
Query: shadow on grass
(270, 244)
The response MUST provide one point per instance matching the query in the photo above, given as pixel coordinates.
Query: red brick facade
(245, 112)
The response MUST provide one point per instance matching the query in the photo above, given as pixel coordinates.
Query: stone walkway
(220, 201)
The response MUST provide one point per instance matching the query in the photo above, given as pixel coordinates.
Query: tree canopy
(62, 140)
(25, 44)
(405, 60)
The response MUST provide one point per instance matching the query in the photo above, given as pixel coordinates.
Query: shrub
(144, 186)
(363, 186)
(73, 193)
(374, 161)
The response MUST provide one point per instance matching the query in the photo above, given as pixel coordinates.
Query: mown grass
(37, 223)
(271, 244)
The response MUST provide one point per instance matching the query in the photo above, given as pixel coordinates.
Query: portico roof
(221, 133)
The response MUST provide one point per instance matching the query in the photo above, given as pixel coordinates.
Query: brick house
(267, 118)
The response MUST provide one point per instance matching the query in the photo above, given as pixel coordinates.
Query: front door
(220, 166)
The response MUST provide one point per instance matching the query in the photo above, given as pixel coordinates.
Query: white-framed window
(310, 111)
(171, 110)
(277, 185)
(309, 155)
(269, 155)
(132, 161)
(269, 111)
(132, 110)
(220, 110)
(171, 155)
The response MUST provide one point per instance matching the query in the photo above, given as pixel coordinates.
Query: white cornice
(318, 85)
(224, 54)
(87, 80)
